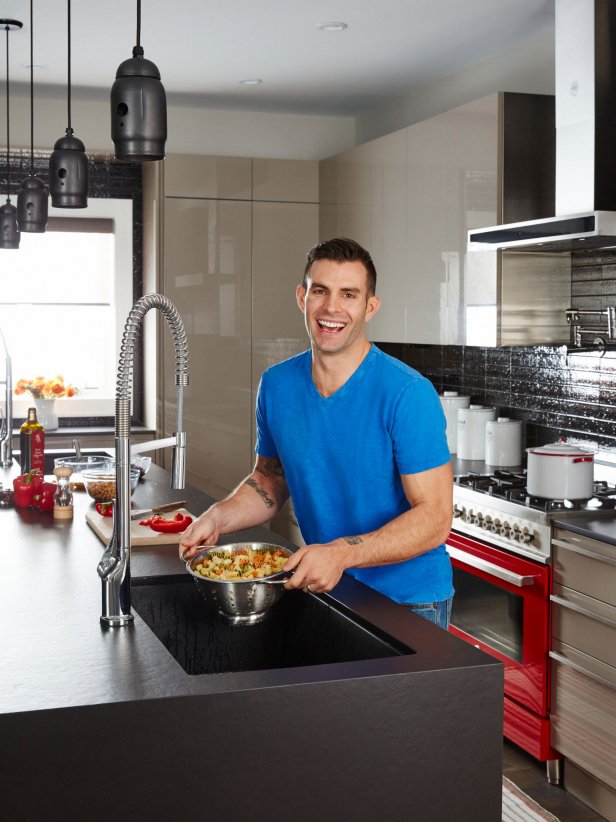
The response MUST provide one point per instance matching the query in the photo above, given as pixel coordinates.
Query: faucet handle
(178, 465)
(77, 448)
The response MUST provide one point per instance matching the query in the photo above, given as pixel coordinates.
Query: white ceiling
(204, 48)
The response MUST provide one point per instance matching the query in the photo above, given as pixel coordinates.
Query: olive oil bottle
(32, 444)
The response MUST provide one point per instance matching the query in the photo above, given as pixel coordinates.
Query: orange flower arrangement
(43, 389)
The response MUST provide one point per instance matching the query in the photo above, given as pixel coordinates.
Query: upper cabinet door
(194, 175)
(409, 198)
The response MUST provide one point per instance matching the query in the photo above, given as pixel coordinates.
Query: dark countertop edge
(602, 528)
(90, 665)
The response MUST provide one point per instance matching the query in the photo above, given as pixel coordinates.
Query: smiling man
(358, 440)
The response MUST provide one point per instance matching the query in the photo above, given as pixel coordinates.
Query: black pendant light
(32, 200)
(68, 164)
(138, 107)
(9, 231)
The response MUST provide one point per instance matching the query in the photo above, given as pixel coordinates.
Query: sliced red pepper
(174, 525)
(105, 509)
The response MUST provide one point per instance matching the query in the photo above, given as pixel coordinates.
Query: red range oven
(500, 552)
(501, 605)
(500, 549)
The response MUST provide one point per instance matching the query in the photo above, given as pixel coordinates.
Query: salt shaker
(63, 498)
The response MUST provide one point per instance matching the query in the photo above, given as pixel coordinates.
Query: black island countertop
(81, 704)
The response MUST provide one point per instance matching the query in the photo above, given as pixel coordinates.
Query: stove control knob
(525, 537)
(487, 523)
(495, 527)
(469, 516)
(505, 530)
(457, 511)
(478, 520)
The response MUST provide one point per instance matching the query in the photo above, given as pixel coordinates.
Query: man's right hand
(203, 531)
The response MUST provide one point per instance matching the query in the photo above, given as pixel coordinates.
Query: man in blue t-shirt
(357, 439)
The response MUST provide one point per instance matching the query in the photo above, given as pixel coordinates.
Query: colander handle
(280, 581)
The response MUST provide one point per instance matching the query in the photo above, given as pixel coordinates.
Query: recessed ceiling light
(35, 66)
(334, 25)
(255, 81)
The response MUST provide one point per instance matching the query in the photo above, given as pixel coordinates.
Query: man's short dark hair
(342, 250)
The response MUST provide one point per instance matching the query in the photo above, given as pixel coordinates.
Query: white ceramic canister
(504, 442)
(560, 471)
(451, 401)
(472, 431)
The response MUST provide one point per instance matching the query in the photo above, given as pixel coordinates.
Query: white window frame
(120, 211)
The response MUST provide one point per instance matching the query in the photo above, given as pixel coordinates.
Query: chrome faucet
(6, 419)
(114, 567)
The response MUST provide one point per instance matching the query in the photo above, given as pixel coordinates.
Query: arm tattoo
(270, 467)
(353, 540)
(261, 492)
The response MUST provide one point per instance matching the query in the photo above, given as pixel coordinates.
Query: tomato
(105, 509)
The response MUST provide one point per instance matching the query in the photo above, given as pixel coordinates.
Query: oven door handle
(519, 580)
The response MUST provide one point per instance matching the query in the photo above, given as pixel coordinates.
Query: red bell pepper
(163, 525)
(105, 509)
(26, 487)
(44, 499)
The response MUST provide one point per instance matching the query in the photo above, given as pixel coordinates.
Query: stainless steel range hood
(585, 206)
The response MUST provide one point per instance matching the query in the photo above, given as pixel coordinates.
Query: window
(64, 299)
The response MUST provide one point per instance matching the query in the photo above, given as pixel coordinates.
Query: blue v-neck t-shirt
(343, 455)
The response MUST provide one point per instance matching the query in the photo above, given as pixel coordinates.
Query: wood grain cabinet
(583, 667)
(233, 235)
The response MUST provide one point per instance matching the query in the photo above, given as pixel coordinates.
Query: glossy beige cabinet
(234, 235)
(410, 198)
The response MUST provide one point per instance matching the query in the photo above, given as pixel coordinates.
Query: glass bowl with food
(100, 483)
(79, 465)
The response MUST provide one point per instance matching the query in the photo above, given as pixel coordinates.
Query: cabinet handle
(490, 568)
(584, 611)
(580, 669)
(561, 543)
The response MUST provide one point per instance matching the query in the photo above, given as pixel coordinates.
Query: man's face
(336, 305)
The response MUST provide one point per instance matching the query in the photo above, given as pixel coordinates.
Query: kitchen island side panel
(423, 745)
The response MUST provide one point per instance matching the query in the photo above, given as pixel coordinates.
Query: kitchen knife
(158, 509)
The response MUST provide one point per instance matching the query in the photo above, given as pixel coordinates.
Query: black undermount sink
(299, 630)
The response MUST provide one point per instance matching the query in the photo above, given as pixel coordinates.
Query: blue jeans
(437, 612)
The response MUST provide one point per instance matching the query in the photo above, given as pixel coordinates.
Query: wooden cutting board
(139, 534)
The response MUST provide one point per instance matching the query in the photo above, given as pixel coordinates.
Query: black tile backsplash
(556, 396)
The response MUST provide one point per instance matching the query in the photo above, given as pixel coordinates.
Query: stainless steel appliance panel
(585, 565)
(585, 623)
(583, 711)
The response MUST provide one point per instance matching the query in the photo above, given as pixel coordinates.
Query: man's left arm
(425, 526)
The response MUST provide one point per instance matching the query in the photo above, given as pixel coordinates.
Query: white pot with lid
(451, 401)
(560, 471)
(504, 442)
(472, 431)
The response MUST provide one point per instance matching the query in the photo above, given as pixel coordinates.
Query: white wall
(191, 130)
(528, 67)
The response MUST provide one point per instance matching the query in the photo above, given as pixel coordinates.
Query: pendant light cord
(8, 141)
(137, 50)
(31, 91)
(69, 129)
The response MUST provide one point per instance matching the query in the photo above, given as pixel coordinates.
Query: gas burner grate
(511, 486)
